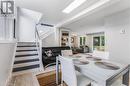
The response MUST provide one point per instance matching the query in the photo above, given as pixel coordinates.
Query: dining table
(103, 72)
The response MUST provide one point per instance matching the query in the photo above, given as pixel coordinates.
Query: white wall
(116, 43)
(27, 19)
(7, 54)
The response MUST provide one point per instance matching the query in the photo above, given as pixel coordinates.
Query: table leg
(57, 70)
(126, 79)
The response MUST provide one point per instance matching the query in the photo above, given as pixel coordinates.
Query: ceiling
(52, 9)
(99, 15)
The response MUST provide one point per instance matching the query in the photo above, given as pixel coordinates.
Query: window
(99, 43)
(82, 41)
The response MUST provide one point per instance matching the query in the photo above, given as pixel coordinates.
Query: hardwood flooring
(47, 79)
(24, 80)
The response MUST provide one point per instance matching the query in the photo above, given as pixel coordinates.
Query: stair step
(26, 68)
(25, 58)
(25, 64)
(26, 46)
(26, 50)
(26, 61)
(26, 43)
(26, 55)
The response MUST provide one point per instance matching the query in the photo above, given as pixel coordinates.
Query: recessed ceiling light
(73, 5)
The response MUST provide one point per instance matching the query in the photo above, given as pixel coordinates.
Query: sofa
(49, 55)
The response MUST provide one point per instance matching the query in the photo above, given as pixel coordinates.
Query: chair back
(66, 52)
(68, 71)
(101, 54)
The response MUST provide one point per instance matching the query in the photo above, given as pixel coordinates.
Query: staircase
(45, 31)
(27, 58)
(45, 35)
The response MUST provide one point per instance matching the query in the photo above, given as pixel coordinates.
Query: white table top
(100, 75)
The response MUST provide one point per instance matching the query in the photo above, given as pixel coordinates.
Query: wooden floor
(47, 79)
(24, 80)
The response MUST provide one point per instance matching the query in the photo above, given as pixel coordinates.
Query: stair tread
(24, 58)
(26, 61)
(26, 42)
(26, 46)
(26, 50)
(26, 64)
(26, 55)
(19, 69)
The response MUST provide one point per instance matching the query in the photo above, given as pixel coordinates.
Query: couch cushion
(48, 53)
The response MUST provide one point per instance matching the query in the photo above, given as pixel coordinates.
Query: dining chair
(66, 52)
(101, 54)
(70, 76)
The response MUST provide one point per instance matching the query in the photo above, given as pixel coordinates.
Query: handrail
(38, 45)
(36, 33)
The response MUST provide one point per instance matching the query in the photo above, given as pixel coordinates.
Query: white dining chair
(70, 76)
(101, 54)
(66, 52)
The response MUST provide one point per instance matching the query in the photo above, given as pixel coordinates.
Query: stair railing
(38, 43)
